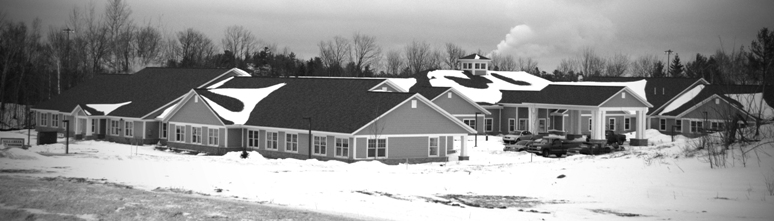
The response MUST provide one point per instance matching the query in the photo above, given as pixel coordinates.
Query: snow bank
(404, 83)
(492, 93)
(688, 96)
(21, 154)
(107, 108)
(248, 96)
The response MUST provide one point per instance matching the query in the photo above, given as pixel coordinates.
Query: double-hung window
(662, 124)
(212, 136)
(43, 119)
(488, 124)
(93, 125)
(433, 146)
(196, 135)
(611, 124)
(54, 120)
(128, 128)
(627, 123)
(377, 148)
(164, 130)
(252, 138)
(271, 140)
(522, 124)
(115, 127)
(511, 124)
(470, 122)
(291, 142)
(591, 122)
(342, 147)
(693, 127)
(320, 145)
(678, 125)
(179, 133)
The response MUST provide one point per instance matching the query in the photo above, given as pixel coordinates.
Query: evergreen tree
(676, 68)
(658, 69)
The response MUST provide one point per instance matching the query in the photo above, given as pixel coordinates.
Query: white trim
(662, 125)
(627, 123)
(335, 147)
(437, 147)
(314, 145)
(257, 139)
(162, 135)
(267, 140)
(376, 152)
(526, 124)
(642, 100)
(545, 125)
(238, 71)
(512, 120)
(371, 136)
(182, 135)
(201, 133)
(43, 122)
(58, 120)
(165, 105)
(217, 136)
(475, 123)
(304, 131)
(286, 142)
(194, 124)
(182, 103)
(492, 125)
(706, 100)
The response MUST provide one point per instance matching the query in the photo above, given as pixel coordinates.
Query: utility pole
(67, 63)
(666, 66)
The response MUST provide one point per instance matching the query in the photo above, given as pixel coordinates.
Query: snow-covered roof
(248, 96)
(684, 98)
(403, 83)
(107, 108)
(486, 88)
(754, 103)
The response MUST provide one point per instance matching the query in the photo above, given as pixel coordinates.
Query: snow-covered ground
(660, 182)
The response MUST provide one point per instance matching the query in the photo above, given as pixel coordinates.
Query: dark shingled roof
(473, 56)
(721, 91)
(563, 94)
(148, 89)
(658, 91)
(334, 104)
(429, 92)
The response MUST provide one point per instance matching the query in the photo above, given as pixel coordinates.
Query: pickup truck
(552, 145)
(612, 138)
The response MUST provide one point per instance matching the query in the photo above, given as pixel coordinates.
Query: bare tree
(453, 53)
(569, 65)
(395, 63)
(95, 37)
(148, 45)
(528, 65)
(418, 56)
(120, 33)
(239, 41)
(643, 66)
(365, 52)
(591, 63)
(194, 48)
(617, 65)
(334, 53)
(504, 62)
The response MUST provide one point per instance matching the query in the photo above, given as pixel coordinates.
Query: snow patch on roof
(166, 112)
(107, 108)
(752, 104)
(638, 87)
(404, 83)
(217, 85)
(688, 96)
(477, 57)
(248, 96)
(492, 93)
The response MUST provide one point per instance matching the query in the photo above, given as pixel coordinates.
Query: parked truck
(552, 145)
(612, 138)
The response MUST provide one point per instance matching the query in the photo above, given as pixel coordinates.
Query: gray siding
(195, 112)
(407, 147)
(455, 104)
(618, 101)
(407, 120)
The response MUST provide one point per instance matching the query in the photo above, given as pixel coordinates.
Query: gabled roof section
(474, 56)
(721, 92)
(335, 104)
(427, 102)
(563, 95)
(659, 91)
(432, 93)
(389, 83)
(148, 90)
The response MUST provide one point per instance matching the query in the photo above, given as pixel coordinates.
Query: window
(54, 120)
(179, 133)
(627, 123)
(693, 126)
(470, 122)
(700, 126)
(252, 138)
(488, 124)
(43, 119)
(450, 95)
(590, 123)
(212, 136)
(342, 147)
(678, 125)
(164, 130)
(93, 125)
(623, 95)
(714, 125)
(271, 140)
(522, 124)
(478, 66)
(542, 125)
(662, 124)
(721, 126)
(611, 124)
(291, 142)
(196, 135)
(128, 128)
(511, 124)
(320, 145)
(115, 126)
(377, 148)
(433, 146)
(483, 66)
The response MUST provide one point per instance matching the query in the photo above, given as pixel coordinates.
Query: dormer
(475, 63)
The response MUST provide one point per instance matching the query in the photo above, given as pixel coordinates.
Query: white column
(597, 121)
(517, 118)
(464, 146)
(88, 127)
(641, 119)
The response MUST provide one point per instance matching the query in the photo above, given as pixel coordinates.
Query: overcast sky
(546, 30)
